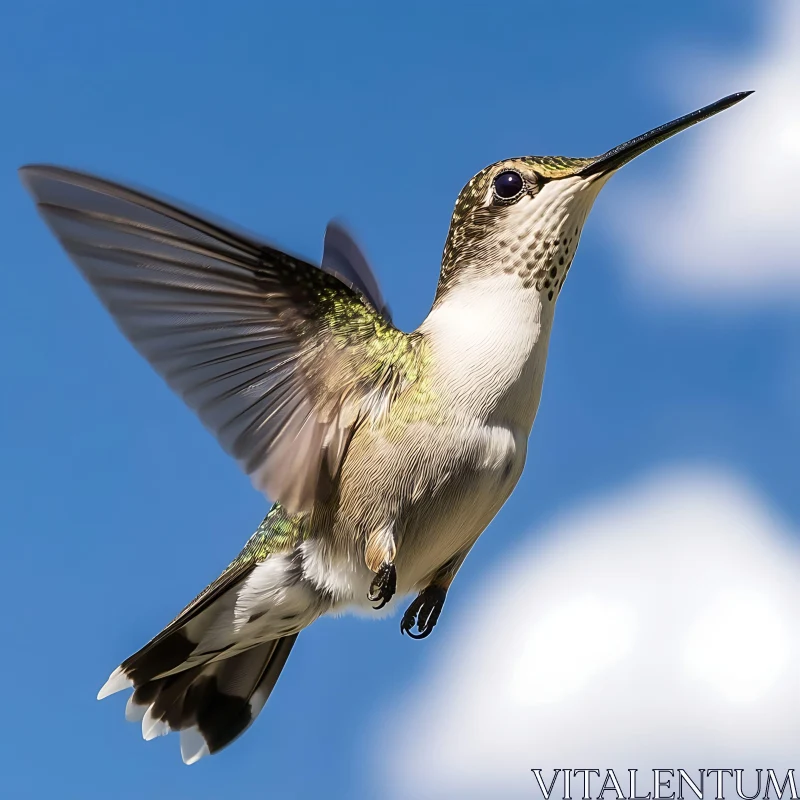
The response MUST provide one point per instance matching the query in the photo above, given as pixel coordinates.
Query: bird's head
(524, 216)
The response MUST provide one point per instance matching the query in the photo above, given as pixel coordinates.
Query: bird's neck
(488, 340)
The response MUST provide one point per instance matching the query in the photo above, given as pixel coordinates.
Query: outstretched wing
(280, 359)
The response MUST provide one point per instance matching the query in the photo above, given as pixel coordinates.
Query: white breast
(489, 343)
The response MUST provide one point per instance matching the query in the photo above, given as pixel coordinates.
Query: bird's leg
(424, 611)
(383, 585)
(379, 555)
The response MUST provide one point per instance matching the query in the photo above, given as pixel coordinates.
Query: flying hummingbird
(386, 453)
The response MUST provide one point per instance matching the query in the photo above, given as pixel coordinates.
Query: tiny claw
(423, 612)
(409, 619)
(383, 586)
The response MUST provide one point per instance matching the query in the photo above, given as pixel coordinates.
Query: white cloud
(655, 628)
(722, 224)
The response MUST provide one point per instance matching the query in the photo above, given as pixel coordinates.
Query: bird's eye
(508, 185)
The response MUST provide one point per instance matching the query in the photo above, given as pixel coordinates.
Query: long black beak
(622, 154)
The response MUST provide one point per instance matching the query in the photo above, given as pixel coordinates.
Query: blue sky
(118, 507)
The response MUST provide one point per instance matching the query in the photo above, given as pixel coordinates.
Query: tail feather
(134, 712)
(211, 704)
(271, 674)
(209, 673)
(236, 698)
(200, 677)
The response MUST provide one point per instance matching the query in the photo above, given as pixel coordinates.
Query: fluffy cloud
(721, 225)
(655, 628)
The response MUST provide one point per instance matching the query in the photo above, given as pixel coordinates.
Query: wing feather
(273, 353)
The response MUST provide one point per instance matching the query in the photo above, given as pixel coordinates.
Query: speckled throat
(535, 237)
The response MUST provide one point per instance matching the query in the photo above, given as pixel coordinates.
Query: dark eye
(508, 185)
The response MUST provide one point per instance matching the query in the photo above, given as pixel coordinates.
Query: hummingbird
(386, 453)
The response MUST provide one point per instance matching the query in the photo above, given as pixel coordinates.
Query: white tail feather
(133, 711)
(193, 745)
(152, 726)
(116, 682)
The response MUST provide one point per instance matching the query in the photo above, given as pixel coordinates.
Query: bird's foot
(423, 612)
(383, 585)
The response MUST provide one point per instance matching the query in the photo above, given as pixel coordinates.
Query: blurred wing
(272, 353)
(343, 257)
